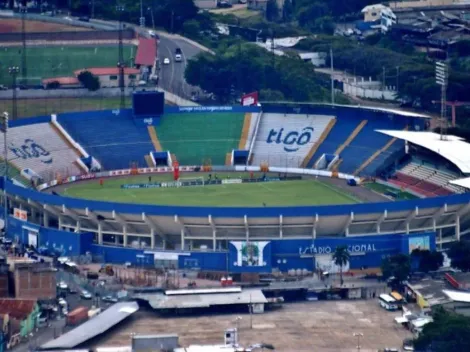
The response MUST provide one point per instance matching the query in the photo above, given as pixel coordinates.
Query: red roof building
(63, 81)
(18, 309)
(146, 52)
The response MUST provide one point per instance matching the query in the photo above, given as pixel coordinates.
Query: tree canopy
(447, 332)
(243, 68)
(428, 260)
(459, 254)
(88, 80)
(397, 266)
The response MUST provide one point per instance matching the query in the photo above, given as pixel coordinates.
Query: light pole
(120, 65)
(13, 71)
(358, 335)
(4, 129)
(24, 69)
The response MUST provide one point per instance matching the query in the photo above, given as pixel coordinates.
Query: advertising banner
(20, 214)
(250, 99)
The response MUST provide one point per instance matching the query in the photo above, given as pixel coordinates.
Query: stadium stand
(114, 148)
(364, 147)
(197, 136)
(40, 148)
(426, 180)
(286, 139)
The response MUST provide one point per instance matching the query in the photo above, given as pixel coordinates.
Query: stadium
(241, 189)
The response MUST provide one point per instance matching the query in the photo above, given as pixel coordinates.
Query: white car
(166, 61)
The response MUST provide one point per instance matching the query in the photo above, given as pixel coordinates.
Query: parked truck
(77, 316)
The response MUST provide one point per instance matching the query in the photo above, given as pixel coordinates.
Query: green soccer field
(55, 61)
(284, 193)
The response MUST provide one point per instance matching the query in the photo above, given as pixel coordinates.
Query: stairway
(315, 147)
(245, 131)
(351, 137)
(154, 138)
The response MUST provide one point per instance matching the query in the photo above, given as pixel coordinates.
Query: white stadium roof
(454, 149)
(463, 182)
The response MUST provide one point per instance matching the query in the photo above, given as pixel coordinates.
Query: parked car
(85, 295)
(109, 299)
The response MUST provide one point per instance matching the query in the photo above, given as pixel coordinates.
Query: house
(372, 13)
(109, 76)
(4, 286)
(24, 312)
(459, 302)
(146, 52)
(206, 4)
(32, 279)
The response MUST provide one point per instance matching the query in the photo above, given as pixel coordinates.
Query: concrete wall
(34, 281)
(422, 3)
(356, 89)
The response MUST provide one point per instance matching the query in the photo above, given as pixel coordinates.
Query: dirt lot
(8, 25)
(311, 326)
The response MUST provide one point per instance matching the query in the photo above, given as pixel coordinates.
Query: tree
(397, 266)
(89, 81)
(427, 260)
(447, 332)
(272, 11)
(287, 11)
(459, 254)
(341, 258)
(271, 95)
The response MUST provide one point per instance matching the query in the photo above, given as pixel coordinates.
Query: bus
(387, 302)
(398, 298)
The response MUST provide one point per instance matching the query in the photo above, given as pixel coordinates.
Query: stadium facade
(218, 238)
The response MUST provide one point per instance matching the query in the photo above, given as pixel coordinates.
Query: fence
(127, 34)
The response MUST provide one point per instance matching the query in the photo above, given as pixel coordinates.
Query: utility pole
(398, 78)
(383, 78)
(332, 77)
(4, 129)
(92, 8)
(24, 69)
(142, 18)
(441, 79)
(172, 21)
(121, 64)
(273, 57)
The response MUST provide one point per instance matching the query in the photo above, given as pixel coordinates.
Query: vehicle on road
(224, 5)
(178, 55)
(85, 295)
(109, 299)
(153, 34)
(166, 61)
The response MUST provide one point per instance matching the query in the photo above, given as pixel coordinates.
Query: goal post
(193, 181)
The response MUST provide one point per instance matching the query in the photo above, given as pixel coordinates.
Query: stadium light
(13, 71)
(441, 80)
(4, 128)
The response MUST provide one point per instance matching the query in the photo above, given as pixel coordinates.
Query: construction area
(315, 326)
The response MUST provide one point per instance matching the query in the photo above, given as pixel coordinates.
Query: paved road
(172, 75)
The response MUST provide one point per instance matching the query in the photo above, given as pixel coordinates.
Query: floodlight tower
(441, 79)
(24, 69)
(13, 71)
(4, 129)
(121, 64)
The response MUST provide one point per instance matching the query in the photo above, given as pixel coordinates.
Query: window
(113, 78)
(374, 14)
(132, 76)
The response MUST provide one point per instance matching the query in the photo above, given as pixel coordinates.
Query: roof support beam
(348, 223)
(154, 227)
(69, 212)
(381, 220)
(439, 213)
(414, 213)
(92, 216)
(247, 228)
(314, 226)
(118, 218)
(280, 226)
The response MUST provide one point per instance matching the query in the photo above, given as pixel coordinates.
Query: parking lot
(309, 326)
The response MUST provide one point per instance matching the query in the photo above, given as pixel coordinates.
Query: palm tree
(341, 258)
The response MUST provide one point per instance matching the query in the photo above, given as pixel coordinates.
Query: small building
(459, 302)
(109, 76)
(32, 279)
(206, 4)
(428, 293)
(61, 82)
(146, 53)
(23, 312)
(317, 59)
(372, 13)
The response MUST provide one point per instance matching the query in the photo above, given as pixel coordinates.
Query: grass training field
(284, 193)
(55, 61)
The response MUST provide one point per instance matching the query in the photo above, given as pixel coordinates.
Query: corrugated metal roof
(146, 52)
(61, 80)
(93, 327)
(204, 300)
(17, 308)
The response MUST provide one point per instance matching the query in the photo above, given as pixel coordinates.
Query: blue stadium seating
(114, 148)
(340, 132)
(367, 142)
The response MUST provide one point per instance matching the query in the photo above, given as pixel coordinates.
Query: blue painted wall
(210, 261)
